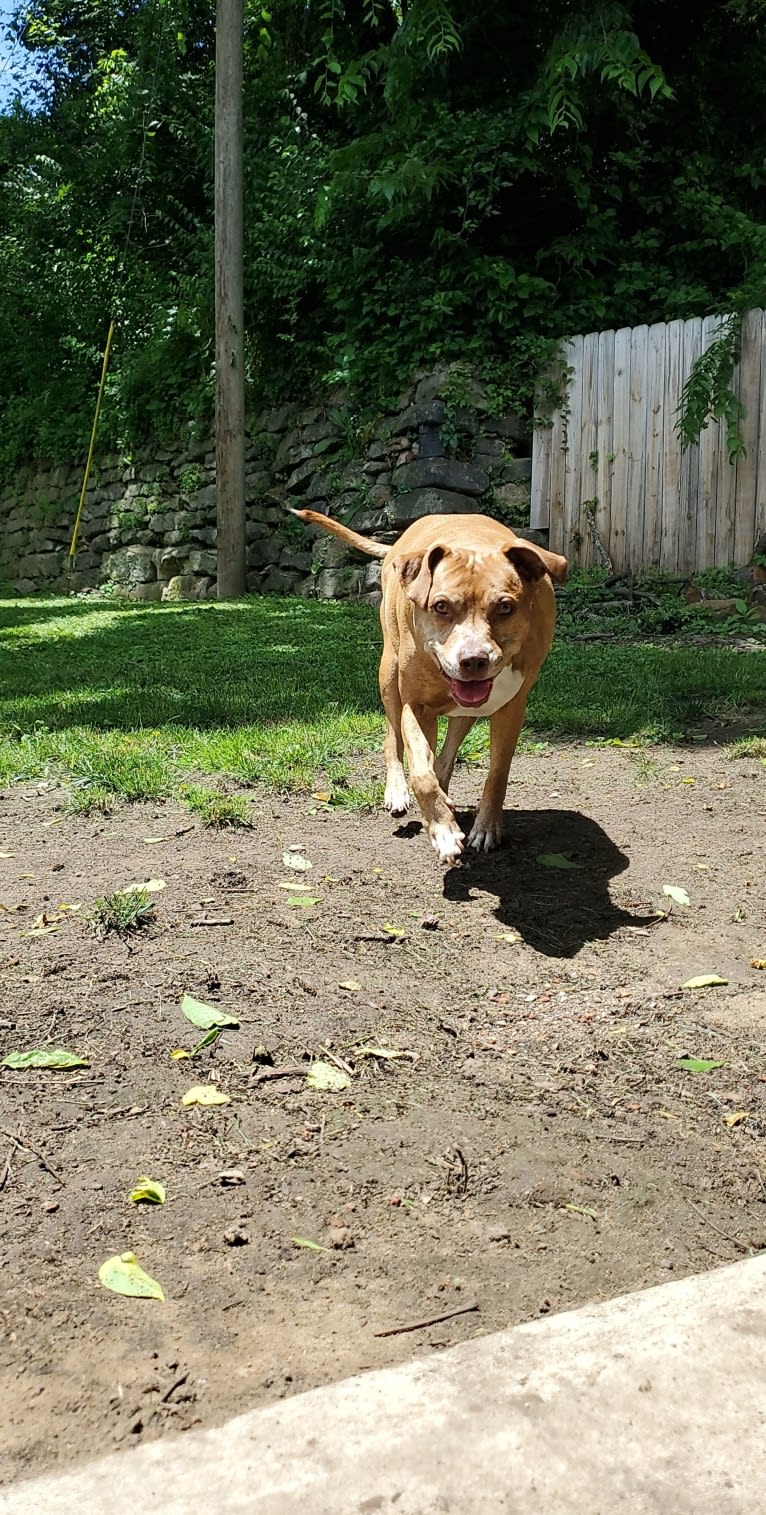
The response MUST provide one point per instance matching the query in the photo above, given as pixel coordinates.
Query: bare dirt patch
(539, 1147)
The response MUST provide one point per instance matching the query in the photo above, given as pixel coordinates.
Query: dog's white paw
(485, 836)
(446, 840)
(397, 795)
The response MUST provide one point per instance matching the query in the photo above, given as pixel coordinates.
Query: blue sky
(10, 57)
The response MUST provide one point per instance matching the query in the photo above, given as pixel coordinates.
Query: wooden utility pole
(229, 311)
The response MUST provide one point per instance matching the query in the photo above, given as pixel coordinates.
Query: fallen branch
(432, 1320)
(21, 1141)
(292, 1070)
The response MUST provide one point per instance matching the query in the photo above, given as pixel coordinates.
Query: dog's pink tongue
(470, 691)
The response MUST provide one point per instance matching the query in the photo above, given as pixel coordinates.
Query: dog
(468, 613)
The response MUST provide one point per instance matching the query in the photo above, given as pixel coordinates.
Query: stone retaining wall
(148, 526)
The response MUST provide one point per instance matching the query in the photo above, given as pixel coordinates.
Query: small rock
(236, 1236)
(341, 1238)
(497, 1232)
(431, 923)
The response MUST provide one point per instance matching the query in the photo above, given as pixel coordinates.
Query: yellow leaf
(7, 854)
(736, 1118)
(394, 930)
(704, 981)
(205, 1094)
(758, 962)
(323, 795)
(148, 1189)
(508, 936)
(123, 1274)
(178, 1053)
(326, 1077)
(350, 984)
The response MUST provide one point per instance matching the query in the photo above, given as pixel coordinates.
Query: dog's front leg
(504, 728)
(419, 732)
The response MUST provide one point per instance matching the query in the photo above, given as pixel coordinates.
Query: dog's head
(474, 609)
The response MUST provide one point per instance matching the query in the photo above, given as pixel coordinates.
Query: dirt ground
(538, 1148)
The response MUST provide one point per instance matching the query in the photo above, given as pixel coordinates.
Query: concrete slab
(652, 1404)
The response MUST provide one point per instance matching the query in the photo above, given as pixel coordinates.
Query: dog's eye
(505, 607)
(441, 607)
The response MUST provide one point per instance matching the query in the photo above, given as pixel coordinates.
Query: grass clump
(215, 810)
(124, 912)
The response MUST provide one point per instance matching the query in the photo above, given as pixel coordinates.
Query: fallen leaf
(41, 931)
(394, 930)
(311, 1246)
(154, 885)
(323, 795)
(44, 1057)
(206, 1017)
(7, 854)
(154, 841)
(147, 1189)
(206, 1095)
(293, 884)
(582, 1210)
(350, 984)
(556, 860)
(296, 861)
(700, 1064)
(736, 1118)
(306, 900)
(326, 1077)
(704, 981)
(178, 1053)
(123, 1274)
(71, 908)
(676, 893)
(758, 962)
(508, 936)
(688, 781)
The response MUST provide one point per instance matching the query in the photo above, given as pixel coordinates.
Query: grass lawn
(142, 701)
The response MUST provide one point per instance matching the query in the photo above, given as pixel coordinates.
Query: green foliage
(215, 810)
(124, 912)
(436, 181)
(708, 394)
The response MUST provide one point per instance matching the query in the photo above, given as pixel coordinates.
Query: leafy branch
(708, 393)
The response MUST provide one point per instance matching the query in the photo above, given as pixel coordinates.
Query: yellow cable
(104, 366)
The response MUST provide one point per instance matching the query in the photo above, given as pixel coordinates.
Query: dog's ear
(417, 572)
(532, 562)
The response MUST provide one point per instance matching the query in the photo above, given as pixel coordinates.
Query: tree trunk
(229, 314)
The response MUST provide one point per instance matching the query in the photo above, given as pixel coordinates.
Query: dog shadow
(555, 909)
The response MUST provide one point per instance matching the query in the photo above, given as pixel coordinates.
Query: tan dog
(468, 613)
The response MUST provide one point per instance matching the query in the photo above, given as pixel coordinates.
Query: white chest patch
(505, 688)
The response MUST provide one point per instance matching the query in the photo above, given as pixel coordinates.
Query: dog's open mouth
(470, 691)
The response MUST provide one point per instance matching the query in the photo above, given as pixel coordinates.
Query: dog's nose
(473, 665)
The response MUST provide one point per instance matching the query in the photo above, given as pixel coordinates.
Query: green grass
(138, 701)
(124, 911)
(217, 810)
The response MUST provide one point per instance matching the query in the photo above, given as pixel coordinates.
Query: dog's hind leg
(458, 727)
(397, 795)
(419, 731)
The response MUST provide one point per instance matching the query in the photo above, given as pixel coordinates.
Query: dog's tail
(351, 538)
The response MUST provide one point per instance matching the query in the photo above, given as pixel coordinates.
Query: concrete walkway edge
(651, 1404)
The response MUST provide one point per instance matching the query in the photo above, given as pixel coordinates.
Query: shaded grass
(134, 700)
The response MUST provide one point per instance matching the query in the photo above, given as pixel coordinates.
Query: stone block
(339, 583)
(183, 586)
(146, 591)
(429, 502)
(203, 561)
(443, 474)
(134, 564)
(517, 470)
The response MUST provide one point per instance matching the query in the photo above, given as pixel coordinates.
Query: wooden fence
(610, 477)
